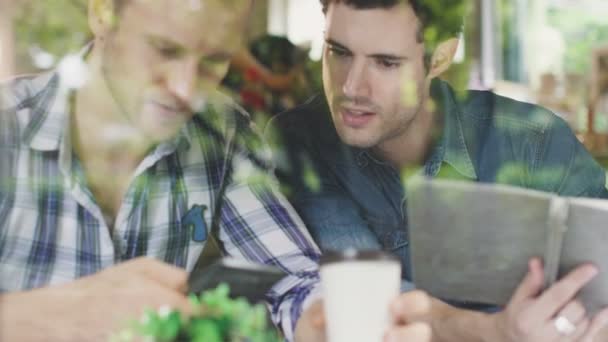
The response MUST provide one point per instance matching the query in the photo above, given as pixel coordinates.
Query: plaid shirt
(52, 231)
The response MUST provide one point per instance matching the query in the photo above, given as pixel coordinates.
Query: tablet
(245, 279)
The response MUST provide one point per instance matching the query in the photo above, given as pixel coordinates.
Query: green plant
(215, 318)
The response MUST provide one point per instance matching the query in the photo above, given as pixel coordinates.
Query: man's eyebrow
(385, 56)
(163, 41)
(388, 57)
(218, 55)
(160, 42)
(168, 43)
(334, 43)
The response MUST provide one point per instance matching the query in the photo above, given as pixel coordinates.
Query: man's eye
(169, 52)
(166, 50)
(388, 64)
(337, 52)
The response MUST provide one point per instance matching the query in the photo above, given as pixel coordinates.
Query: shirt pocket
(393, 238)
(391, 234)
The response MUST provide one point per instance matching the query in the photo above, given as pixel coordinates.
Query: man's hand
(91, 308)
(311, 326)
(530, 314)
(410, 304)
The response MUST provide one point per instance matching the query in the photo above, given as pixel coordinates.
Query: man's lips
(168, 109)
(355, 117)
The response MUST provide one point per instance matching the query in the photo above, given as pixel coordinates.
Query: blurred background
(550, 52)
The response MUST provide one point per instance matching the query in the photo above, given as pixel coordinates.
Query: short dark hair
(441, 19)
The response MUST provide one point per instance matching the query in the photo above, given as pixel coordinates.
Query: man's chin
(356, 139)
(162, 134)
(162, 130)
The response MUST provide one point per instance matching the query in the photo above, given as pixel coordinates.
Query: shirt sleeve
(258, 224)
(567, 166)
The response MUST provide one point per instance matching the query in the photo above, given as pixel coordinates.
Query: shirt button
(362, 161)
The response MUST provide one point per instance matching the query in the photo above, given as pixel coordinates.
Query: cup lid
(352, 254)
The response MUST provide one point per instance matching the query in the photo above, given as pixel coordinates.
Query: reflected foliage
(584, 31)
(55, 26)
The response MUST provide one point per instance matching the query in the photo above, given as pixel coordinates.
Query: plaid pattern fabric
(52, 231)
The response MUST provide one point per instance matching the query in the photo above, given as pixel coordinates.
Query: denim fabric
(350, 198)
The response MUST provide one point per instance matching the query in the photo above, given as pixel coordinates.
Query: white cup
(358, 288)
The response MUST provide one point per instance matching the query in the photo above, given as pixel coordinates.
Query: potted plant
(215, 318)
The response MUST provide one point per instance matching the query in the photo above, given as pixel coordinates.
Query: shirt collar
(182, 139)
(451, 147)
(48, 115)
(50, 110)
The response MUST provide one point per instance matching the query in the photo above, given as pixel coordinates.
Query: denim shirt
(349, 198)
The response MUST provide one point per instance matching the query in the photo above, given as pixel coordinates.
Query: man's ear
(101, 16)
(443, 57)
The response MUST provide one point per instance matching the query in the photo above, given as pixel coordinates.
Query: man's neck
(108, 147)
(411, 148)
(101, 132)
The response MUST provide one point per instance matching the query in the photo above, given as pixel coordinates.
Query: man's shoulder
(19, 94)
(301, 114)
(21, 91)
(304, 139)
(223, 118)
(224, 127)
(310, 121)
(501, 112)
(16, 96)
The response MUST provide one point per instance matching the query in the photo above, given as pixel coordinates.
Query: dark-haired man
(385, 112)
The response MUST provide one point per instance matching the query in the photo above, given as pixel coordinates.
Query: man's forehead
(191, 20)
(193, 7)
(401, 15)
(372, 31)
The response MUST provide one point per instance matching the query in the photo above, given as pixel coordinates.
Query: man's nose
(357, 82)
(183, 79)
